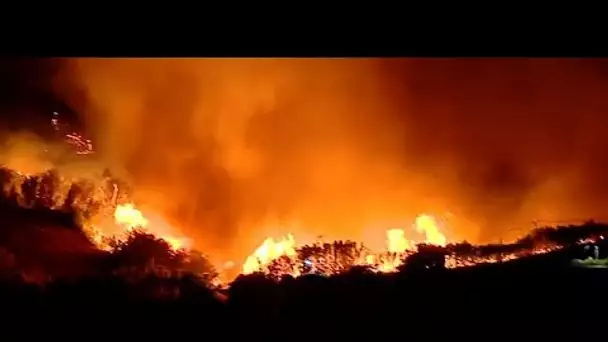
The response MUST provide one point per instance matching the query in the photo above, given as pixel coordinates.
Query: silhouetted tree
(253, 295)
(142, 251)
(428, 257)
(197, 264)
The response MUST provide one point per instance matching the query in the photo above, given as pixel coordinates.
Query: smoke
(235, 149)
(523, 137)
(25, 152)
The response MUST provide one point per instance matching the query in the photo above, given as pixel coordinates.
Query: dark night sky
(27, 94)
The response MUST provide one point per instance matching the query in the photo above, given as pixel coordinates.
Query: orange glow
(428, 225)
(354, 149)
(128, 217)
(387, 260)
(396, 241)
(269, 250)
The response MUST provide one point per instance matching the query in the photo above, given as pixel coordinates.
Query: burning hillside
(104, 208)
(342, 255)
(261, 157)
(106, 215)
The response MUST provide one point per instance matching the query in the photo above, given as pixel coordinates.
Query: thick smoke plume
(233, 148)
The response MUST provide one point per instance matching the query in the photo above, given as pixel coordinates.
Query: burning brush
(106, 213)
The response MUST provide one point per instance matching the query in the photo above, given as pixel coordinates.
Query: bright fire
(102, 196)
(427, 225)
(269, 250)
(130, 218)
(274, 256)
(397, 246)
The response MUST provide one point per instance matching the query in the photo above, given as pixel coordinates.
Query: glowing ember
(82, 145)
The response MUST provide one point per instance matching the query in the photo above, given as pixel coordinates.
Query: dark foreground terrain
(500, 298)
(55, 284)
(540, 294)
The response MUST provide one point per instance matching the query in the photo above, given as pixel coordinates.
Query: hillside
(45, 243)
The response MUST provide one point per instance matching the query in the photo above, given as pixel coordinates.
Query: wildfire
(283, 257)
(270, 250)
(397, 247)
(129, 217)
(93, 204)
(105, 211)
(96, 201)
(427, 225)
(396, 241)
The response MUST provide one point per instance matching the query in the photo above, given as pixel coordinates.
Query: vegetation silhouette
(51, 274)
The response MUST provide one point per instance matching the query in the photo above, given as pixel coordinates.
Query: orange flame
(396, 241)
(269, 250)
(384, 261)
(128, 217)
(428, 225)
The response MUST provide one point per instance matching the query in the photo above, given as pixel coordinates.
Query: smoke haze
(232, 149)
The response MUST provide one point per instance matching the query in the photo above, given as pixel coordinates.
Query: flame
(126, 215)
(397, 247)
(427, 224)
(98, 198)
(269, 250)
(396, 241)
(129, 217)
